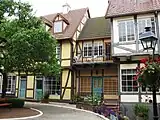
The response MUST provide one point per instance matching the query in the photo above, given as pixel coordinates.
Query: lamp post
(149, 41)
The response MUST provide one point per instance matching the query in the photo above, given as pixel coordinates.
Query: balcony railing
(80, 58)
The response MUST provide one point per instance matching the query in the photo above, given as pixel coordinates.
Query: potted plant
(148, 74)
(141, 111)
(45, 98)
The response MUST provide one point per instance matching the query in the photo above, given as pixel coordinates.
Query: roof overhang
(134, 13)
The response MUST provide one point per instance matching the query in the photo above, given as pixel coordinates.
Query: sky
(97, 8)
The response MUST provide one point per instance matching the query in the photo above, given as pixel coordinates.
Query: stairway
(112, 102)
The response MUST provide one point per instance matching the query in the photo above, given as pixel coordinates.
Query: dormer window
(58, 27)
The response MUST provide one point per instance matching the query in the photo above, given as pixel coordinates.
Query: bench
(4, 103)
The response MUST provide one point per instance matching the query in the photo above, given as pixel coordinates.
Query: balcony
(92, 58)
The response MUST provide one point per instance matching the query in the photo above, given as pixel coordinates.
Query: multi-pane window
(87, 49)
(146, 22)
(58, 26)
(52, 85)
(11, 85)
(98, 48)
(58, 51)
(126, 30)
(127, 82)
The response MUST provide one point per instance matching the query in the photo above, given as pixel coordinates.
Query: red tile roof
(74, 18)
(129, 7)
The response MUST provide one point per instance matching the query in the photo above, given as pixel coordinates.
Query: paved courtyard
(59, 113)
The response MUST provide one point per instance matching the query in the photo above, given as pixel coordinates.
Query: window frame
(126, 30)
(58, 52)
(121, 85)
(49, 83)
(98, 45)
(147, 18)
(86, 53)
(61, 26)
(12, 86)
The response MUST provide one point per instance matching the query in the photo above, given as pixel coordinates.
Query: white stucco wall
(115, 38)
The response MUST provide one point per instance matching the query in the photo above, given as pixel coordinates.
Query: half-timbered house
(95, 72)
(128, 20)
(65, 27)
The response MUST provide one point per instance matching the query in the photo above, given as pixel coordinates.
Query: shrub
(16, 102)
(94, 99)
(77, 98)
(46, 95)
(141, 110)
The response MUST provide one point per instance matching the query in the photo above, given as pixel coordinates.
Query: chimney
(66, 8)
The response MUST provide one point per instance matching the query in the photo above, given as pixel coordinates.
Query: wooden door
(97, 86)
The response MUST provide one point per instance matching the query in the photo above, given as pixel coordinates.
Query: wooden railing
(81, 58)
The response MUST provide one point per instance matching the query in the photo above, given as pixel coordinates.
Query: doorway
(97, 86)
(22, 90)
(39, 88)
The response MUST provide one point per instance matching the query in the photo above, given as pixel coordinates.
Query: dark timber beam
(66, 84)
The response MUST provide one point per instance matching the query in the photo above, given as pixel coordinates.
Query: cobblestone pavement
(59, 113)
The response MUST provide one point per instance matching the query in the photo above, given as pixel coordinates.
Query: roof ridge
(65, 13)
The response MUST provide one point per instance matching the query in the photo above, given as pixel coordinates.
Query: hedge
(16, 102)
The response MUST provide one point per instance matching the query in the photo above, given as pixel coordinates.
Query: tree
(25, 45)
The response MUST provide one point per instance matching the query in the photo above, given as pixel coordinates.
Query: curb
(101, 116)
(22, 118)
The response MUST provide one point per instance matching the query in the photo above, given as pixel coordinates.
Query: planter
(85, 106)
(45, 101)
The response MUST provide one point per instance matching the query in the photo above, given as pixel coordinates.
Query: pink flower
(135, 77)
(144, 60)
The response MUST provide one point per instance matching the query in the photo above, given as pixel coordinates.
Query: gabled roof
(95, 28)
(74, 18)
(64, 19)
(118, 8)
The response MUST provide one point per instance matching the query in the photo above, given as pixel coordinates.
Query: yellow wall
(17, 82)
(65, 63)
(66, 54)
(64, 78)
(67, 94)
(66, 50)
(30, 93)
(54, 97)
(30, 81)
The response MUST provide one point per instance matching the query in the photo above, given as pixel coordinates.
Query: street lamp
(149, 41)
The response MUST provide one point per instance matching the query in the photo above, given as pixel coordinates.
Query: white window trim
(98, 44)
(129, 19)
(58, 28)
(87, 44)
(145, 18)
(126, 66)
(9, 92)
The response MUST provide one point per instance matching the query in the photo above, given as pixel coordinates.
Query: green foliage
(16, 103)
(141, 110)
(77, 98)
(94, 99)
(46, 95)
(148, 74)
(28, 47)
(25, 45)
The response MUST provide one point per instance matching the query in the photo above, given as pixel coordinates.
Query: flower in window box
(148, 75)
